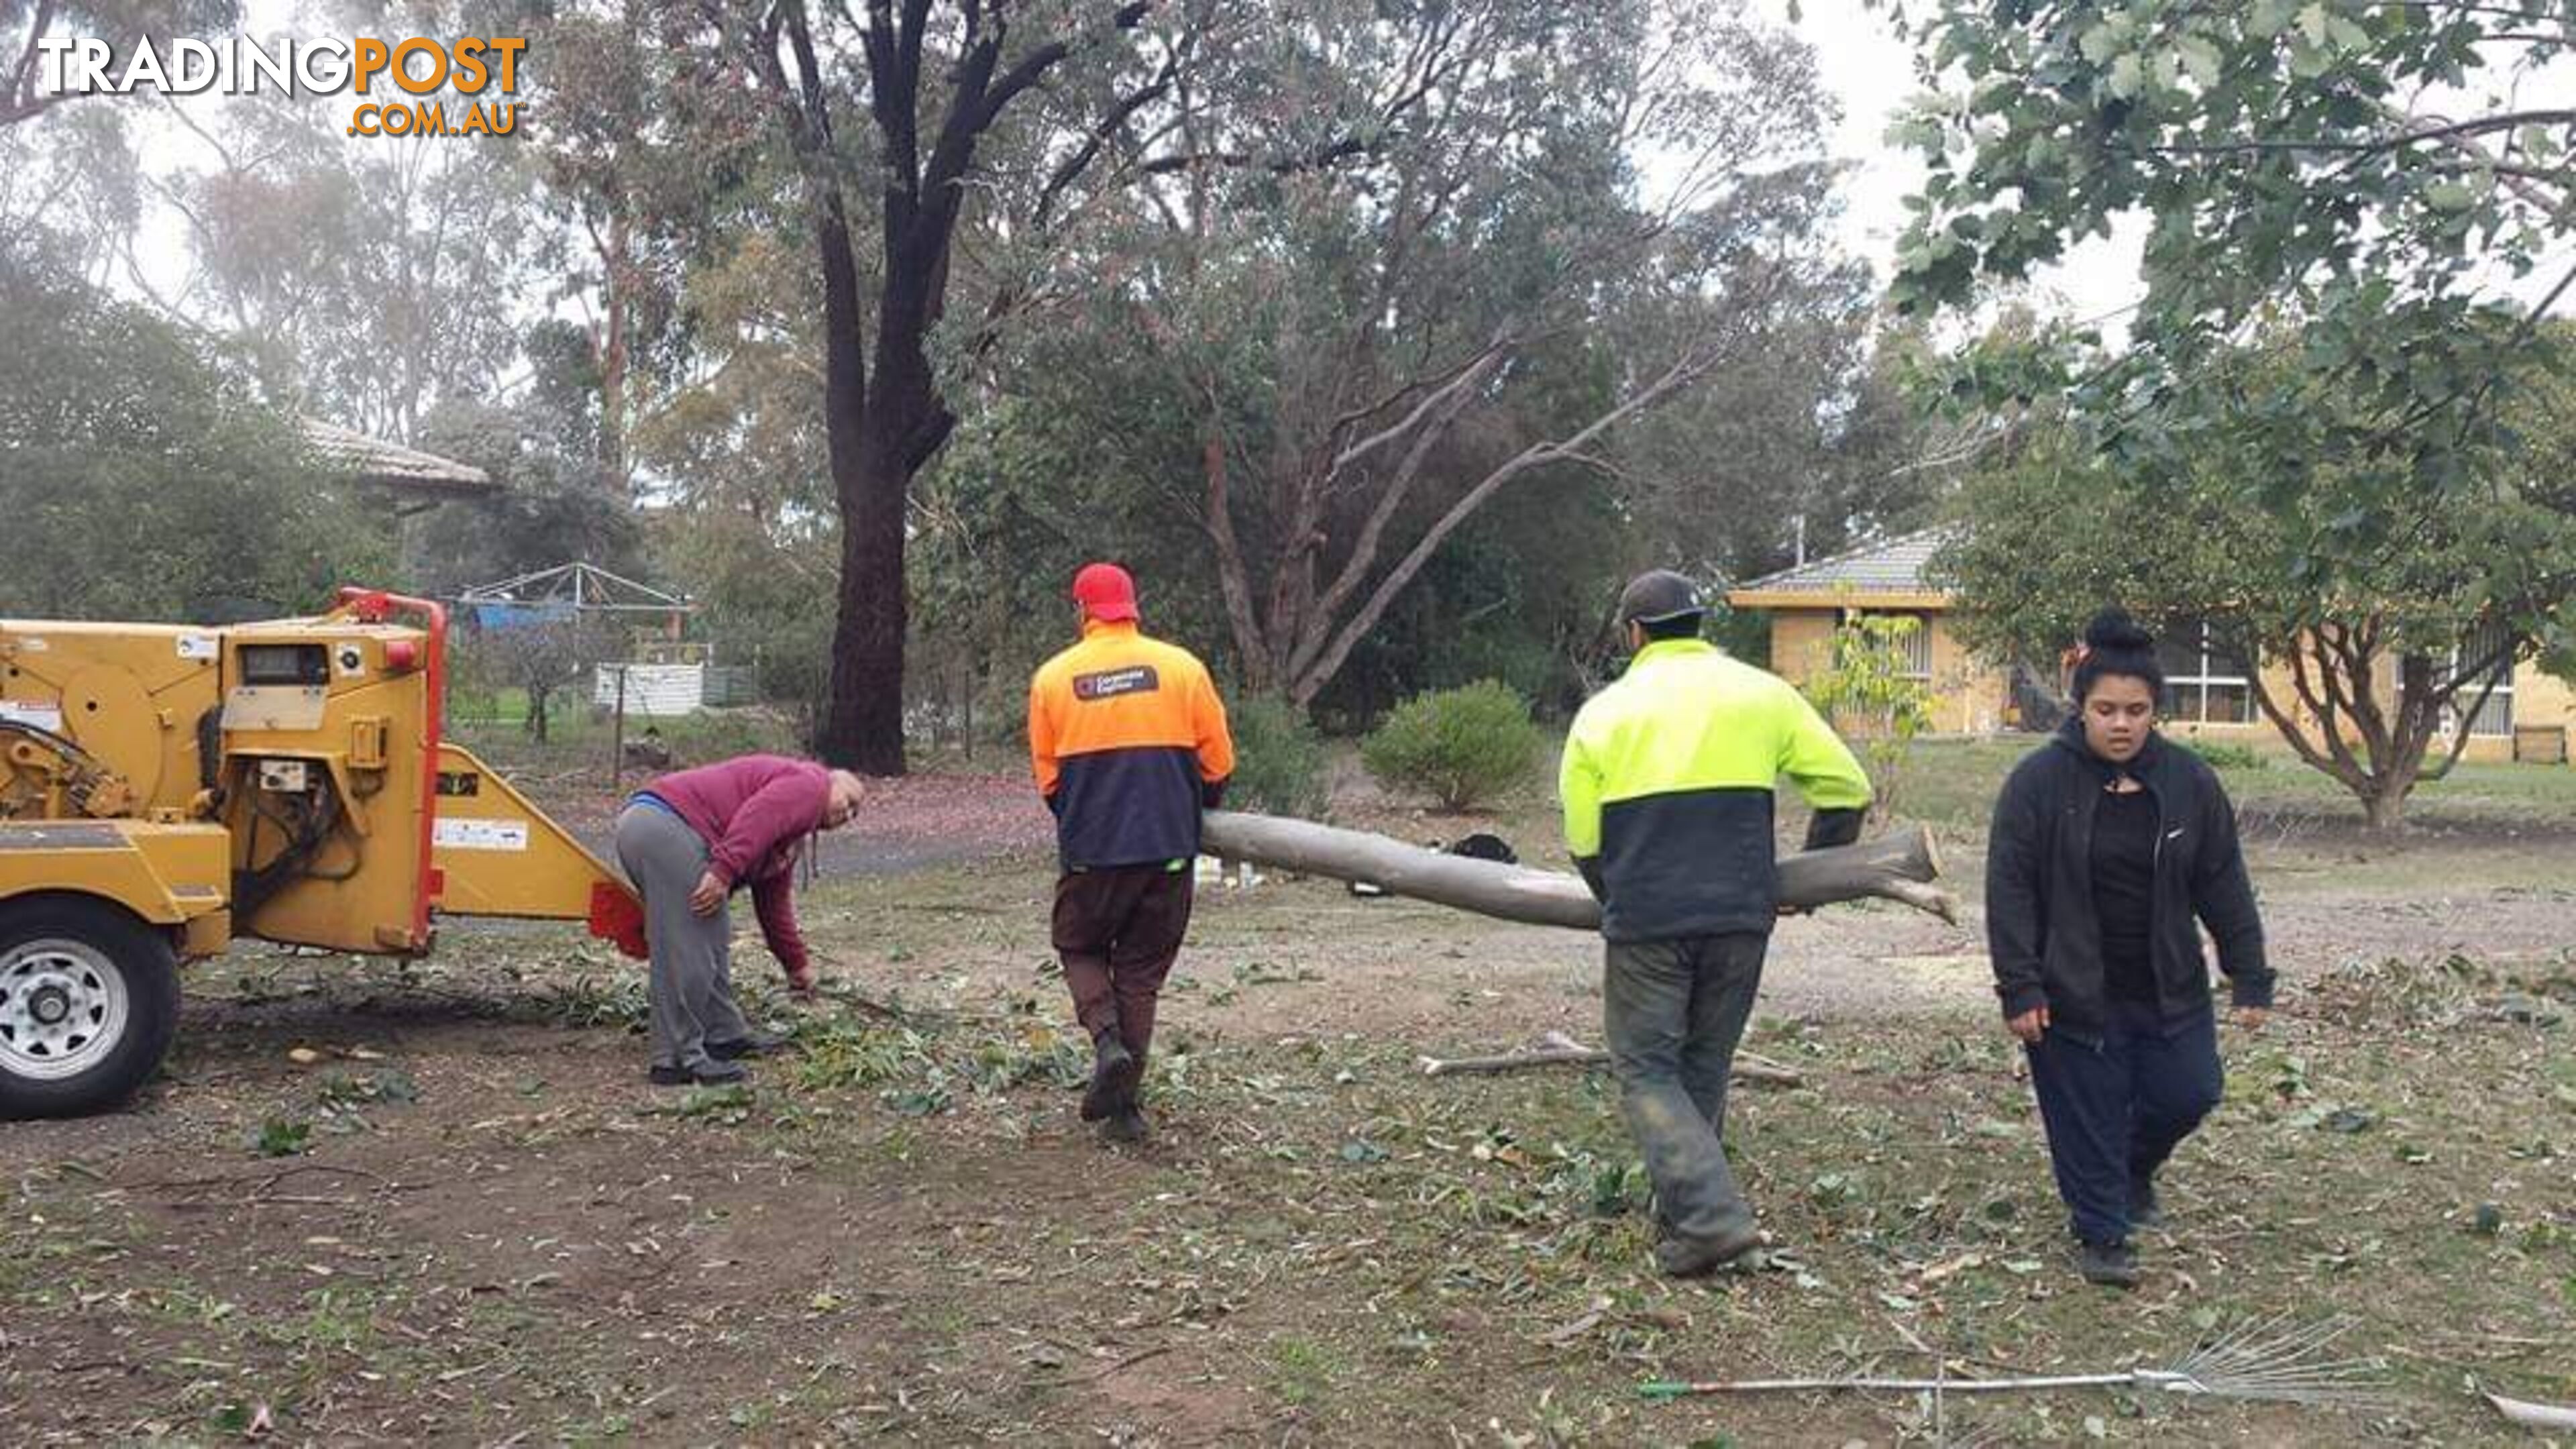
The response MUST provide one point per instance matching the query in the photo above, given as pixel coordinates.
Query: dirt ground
(437, 1202)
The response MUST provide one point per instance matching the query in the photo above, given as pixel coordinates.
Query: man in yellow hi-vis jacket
(1667, 782)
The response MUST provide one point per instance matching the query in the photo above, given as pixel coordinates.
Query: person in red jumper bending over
(688, 841)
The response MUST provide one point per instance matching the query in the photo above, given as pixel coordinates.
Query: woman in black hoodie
(2108, 843)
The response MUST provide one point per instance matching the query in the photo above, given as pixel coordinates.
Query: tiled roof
(391, 465)
(1892, 566)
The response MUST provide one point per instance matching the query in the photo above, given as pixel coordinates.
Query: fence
(651, 690)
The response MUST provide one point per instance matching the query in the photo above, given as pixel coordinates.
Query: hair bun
(2114, 629)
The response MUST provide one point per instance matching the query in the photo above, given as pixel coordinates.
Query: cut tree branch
(1900, 866)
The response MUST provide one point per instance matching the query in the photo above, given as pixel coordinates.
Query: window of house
(2203, 683)
(1917, 646)
(1913, 646)
(2494, 718)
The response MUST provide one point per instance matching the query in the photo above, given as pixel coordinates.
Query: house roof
(391, 465)
(1891, 571)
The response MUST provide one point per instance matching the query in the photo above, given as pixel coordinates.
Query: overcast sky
(1871, 74)
(1862, 62)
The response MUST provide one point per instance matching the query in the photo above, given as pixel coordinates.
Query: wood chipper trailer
(164, 790)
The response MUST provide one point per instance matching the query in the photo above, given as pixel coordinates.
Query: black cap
(1651, 598)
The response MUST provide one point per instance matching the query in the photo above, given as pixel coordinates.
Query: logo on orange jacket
(1110, 683)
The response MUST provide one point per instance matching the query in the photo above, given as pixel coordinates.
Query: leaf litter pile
(437, 1201)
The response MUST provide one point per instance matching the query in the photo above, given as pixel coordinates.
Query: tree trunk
(903, 424)
(1898, 867)
(2384, 808)
(620, 273)
(883, 430)
(862, 725)
(863, 720)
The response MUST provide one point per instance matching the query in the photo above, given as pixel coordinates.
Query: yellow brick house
(1971, 695)
(2529, 717)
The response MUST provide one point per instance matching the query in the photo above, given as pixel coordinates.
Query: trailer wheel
(89, 998)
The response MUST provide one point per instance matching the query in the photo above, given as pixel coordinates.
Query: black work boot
(2110, 1265)
(1113, 1077)
(1124, 1126)
(2144, 1210)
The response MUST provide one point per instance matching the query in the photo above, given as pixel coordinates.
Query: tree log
(1898, 866)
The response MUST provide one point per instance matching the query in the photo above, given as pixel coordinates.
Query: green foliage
(2343, 494)
(1280, 761)
(338, 1090)
(555, 503)
(749, 531)
(542, 660)
(2365, 169)
(1377, 371)
(1743, 633)
(923, 1072)
(725, 1106)
(1461, 747)
(312, 262)
(1516, 595)
(2225, 754)
(282, 1137)
(141, 478)
(1864, 688)
(2373, 651)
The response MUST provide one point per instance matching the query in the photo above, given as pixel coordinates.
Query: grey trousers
(1672, 1013)
(692, 976)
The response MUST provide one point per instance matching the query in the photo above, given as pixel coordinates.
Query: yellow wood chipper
(166, 789)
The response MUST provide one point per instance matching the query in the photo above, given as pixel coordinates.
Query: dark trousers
(2117, 1107)
(1119, 931)
(1672, 1012)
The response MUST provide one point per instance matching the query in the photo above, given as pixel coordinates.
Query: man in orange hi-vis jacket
(1129, 743)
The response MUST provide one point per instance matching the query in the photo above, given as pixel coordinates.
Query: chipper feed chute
(497, 854)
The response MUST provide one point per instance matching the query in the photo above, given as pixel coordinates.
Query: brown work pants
(1119, 930)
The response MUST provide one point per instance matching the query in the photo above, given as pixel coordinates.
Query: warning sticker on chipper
(480, 834)
(30, 712)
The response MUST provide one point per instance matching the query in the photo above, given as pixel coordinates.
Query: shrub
(1459, 746)
(1279, 759)
(1864, 687)
(2225, 754)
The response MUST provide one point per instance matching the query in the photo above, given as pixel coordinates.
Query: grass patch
(1303, 1371)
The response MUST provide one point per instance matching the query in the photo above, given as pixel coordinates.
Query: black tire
(89, 998)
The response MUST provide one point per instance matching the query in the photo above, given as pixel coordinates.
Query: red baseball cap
(1105, 592)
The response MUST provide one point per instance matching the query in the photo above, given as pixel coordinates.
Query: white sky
(1871, 74)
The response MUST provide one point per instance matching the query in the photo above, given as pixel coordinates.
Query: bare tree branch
(1118, 115)
(1684, 370)
(2482, 125)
